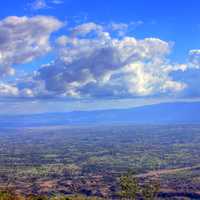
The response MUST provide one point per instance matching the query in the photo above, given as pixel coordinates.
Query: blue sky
(164, 42)
(176, 21)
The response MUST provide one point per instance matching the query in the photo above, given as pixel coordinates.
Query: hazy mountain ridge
(153, 114)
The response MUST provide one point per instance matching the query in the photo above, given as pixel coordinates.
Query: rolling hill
(167, 113)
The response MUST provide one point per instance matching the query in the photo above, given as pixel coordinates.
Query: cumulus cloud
(24, 39)
(92, 63)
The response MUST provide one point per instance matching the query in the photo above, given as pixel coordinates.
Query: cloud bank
(91, 61)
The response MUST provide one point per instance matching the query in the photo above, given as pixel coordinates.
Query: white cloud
(191, 78)
(62, 40)
(86, 28)
(194, 57)
(92, 63)
(39, 4)
(8, 90)
(57, 2)
(124, 28)
(44, 4)
(120, 27)
(24, 39)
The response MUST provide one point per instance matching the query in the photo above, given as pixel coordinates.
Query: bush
(131, 189)
(9, 195)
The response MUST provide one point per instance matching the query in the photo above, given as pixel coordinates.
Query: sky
(63, 55)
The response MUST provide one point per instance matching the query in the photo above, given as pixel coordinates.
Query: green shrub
(9, 195)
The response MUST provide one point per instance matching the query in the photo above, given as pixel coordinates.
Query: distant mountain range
(165, 113)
